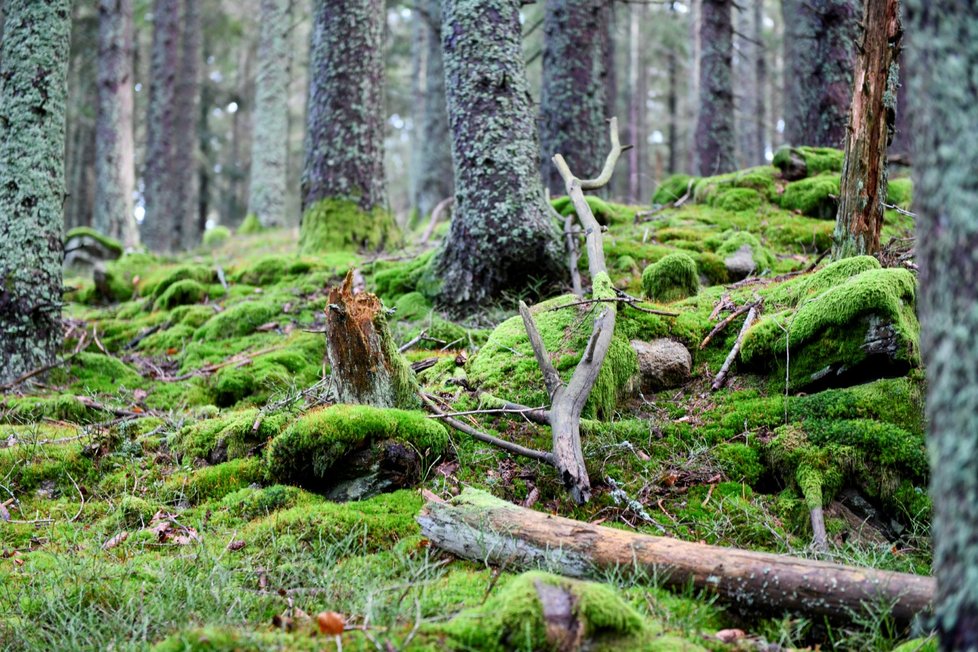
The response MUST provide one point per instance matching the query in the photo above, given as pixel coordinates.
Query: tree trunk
(270, 138)
(478, 526)
(760, 70)
(187, 158)
(863, 190)
(501, 233)
(163, 224)
(715, 144)
(750, 98)
(366, 367)
(437, 176)
(819, 49)
(943, 57)
(345, 127)
(82, 106)
(115, 166)
(420, 36)
(33, 85)
(637, 160)
(572, 98)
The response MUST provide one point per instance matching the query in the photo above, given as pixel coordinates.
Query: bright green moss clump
(817, 160)
(672, 278)
(227, 437)
(214, 482)
(899, 192)
(251, 225)
(216, 237)
(157, 284)
(604, 212)
(760, 179)
(237, 320)
(672, 189)
(733, 241)
(94, 372)
(337, 224)
(307, 451)
(181, 293)
(738, 200)
(814, 196)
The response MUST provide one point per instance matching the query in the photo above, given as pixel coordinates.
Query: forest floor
(145, 502)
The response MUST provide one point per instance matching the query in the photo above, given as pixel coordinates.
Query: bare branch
(550, 376)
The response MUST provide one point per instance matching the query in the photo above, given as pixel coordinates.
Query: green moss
(739, 462)
(238, 320)
(674, 277)
(228, 436)
(25, 468)
(899, 192)
(268, 373)
(337, 224)
(214, 482)
(815, 196)
(734, 240)
(180, 293)
(110, 244)
(307, 451)
(270, 270)
(227, 639)
(171, 339)
(412, 306)
(158, 283)
(393, 279)
(134, 513)
(250, 503)
(817, 160)
(760, 179)
(672, 188)
(604, 212)
(216, 237)
(103, 374)
(738, 199)
(64, 407)
(251, 225)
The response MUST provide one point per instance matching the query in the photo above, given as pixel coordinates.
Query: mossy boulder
(214, 482)
(340, 224)
(155, 285)
(227, 437)
(84, 248)
(861, 327)
(355, 450)
(710, 190)
(743, 254)
(674, 277)
(181, 293)
(672, 189)
(739, 200)
(815, 196)
(800, 162)
(240, 319)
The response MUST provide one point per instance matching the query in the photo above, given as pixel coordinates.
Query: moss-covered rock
(87, 237)
(103, 374)
(738, 200)
(672, 278)
(337, 224)
(180, 293)
(709, 190)
(604, 212)
(214, 482)
(672, 188)
(733, 243)
(227, 437)
(801, 162)
(815, 196)
(240, 319)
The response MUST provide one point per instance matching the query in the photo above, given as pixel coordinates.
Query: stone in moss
(815, 196)
(738, 200)
(673, 277)
(86, 237)
(180, 293)
(735, 241)
(216, 237)
(672, 188)
(251, 225)
(237, 320)
(340, 224)
(308, 451)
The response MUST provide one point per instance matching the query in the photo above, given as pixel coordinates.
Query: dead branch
(722, 376)
(440, 208)
(726, 322)
(628, 301)
(573, 251)
(46, 368)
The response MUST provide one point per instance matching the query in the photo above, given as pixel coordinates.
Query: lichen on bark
(501, 233)
(33, 89)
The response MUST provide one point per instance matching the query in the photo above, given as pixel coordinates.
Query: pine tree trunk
(760, 69)
(750, 98)
(114, 155)
(33, 87)
(420, 36)
(636, 104)
(187, 160)
(572, 99)
(863, 190)
(82, 105)
(437, 176)
(715, 144)
(270, 138)
(501, 233)
(943, 56)
(819, 51)
(345, 127)
(162, 225)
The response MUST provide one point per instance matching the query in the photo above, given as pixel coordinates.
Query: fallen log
(478, 526)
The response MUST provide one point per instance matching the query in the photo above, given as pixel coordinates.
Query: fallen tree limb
(435, 217)
(478, 526)
(721, 378)
(726, 322)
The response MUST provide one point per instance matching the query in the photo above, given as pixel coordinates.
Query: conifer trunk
(572, 99)
(501, 233)
(944, 55)
(162, 225)
(187, 161)
(33, 88)
(270, 139)
(863, 190)
(819, 51)
(715, 146)
(114, 154)
(436, 180)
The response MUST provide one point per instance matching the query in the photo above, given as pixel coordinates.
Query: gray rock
(741, 263)
(662, 364)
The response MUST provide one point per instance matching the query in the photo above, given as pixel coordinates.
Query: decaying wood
(722, 375)
(477, 526)
(367, 368)
(819, 535)
(723, 324)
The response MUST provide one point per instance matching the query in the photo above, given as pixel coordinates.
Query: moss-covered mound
(815, 196)
(338, 224)
(674, 277)
(799, 162)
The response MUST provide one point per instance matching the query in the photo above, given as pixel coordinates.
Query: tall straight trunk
(82, 106)
(608, 48)
(163, 223)
(270, 136)
(750, 99)
(501, 234)
(863, 190)
(436, 180)
(760, 70)
(33, 89)
(672, 109)
(187, 158)
(715, 144)
(901, 147)
(637, 91)
(943, 56)
(344, 167)
(819, 49)
(695, 56)
(115, 166)
(572, 99)
(420, 35)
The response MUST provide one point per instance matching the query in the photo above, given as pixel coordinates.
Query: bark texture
(163, 226)
(871, 120)
(435, 176)
(943, 56)
(82, 107)
(33, 88)
(501, 233)
(572, 99)
(114, 149)
(270, 140)
(819, 51)
(715, 148)
(478, 526)
(345, 111)
(187, 160)
(749, 68)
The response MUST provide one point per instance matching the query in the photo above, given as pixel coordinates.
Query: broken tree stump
(367, 368)
(478, 526)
